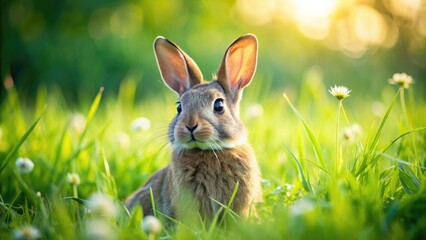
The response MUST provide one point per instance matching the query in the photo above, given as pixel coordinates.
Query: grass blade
(78, 200)
(410, 182)
(306, 185)
(213, 225)
(400, 161)
(25, 187)
(312, 137)
(316, 165)
(151, 195)
(230, 211)
(369, 153)
(231, 200)
(135, 216)
(174, 221)
(94, 106)
(373, 145)
(91, 113)
(387, 146)
(12, 152)
(111, 186)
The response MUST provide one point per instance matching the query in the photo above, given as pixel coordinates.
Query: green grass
(372, 187)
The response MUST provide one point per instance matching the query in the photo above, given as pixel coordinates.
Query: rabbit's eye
(179, 108)
(219, 106)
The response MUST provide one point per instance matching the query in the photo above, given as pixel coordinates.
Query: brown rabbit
(210, 150)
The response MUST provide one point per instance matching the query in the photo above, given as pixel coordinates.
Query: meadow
(331, 169)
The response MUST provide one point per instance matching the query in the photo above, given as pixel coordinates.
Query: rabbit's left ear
(238, 65)
(177, 69)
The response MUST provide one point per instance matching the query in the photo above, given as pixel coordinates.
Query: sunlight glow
(126, 20)
(369, 25)
(257, 12)
(407, 9)
(350, 26)
(307, 10)
(312, 16)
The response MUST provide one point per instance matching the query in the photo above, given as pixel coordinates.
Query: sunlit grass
(88, 158)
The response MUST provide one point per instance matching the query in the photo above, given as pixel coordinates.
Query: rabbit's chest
(215, 179)
(212, 177)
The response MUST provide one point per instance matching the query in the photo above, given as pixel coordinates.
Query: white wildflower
(255, 110)
(401, 79)
(302, 206)
(151, 225)
(73, 178)
(141, 124)
(352, 132)
(265, 182)
(378, 108)
(78, 122)
(99, 229)
(289, 186)
(24, 165)
(340, 92)
(26, 232)
(101, 204)
(123, 140)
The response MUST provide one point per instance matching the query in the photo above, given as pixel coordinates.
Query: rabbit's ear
(238, 65)
(177, 69)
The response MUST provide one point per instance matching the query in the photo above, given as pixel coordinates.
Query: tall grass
(376, 191)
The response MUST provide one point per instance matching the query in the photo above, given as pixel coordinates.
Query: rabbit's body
(161, 188)
(213, 175)
(207, 175)
(210, 151)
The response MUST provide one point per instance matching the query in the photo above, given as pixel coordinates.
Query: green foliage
(12, 152)
(376, 191)
(55, 57)
(79, 45)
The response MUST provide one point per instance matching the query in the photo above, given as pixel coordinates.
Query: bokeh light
(126, 20)
(349, 26)
(89, 45)
(256, 12)
(99, 23)
(407, 9)
(313, 17)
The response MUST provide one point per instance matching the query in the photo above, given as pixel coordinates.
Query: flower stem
(357, 139)
(75, 195)
(74, 190)
(404, 109)
(339, 107)
(407, 123)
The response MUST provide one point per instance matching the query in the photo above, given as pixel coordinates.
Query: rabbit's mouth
(201, 139)
(203, 145)
(202, 135)
(210, 144)
(192, 143)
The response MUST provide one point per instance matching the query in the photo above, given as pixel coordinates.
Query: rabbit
(210, 150)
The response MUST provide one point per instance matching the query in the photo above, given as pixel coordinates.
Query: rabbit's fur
(210, 151)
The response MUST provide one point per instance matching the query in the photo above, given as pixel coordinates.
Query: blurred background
(78, 46)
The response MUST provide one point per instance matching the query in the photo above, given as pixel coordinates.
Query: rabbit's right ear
(238, 65)
(177, 69)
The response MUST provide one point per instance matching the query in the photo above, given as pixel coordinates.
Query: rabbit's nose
(191, 129)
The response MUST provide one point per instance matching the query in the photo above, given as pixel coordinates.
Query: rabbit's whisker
(211, 144)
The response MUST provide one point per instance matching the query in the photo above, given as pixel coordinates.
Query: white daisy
(340, 92)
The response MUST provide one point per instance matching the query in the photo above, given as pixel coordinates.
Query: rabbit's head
(207, 112)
